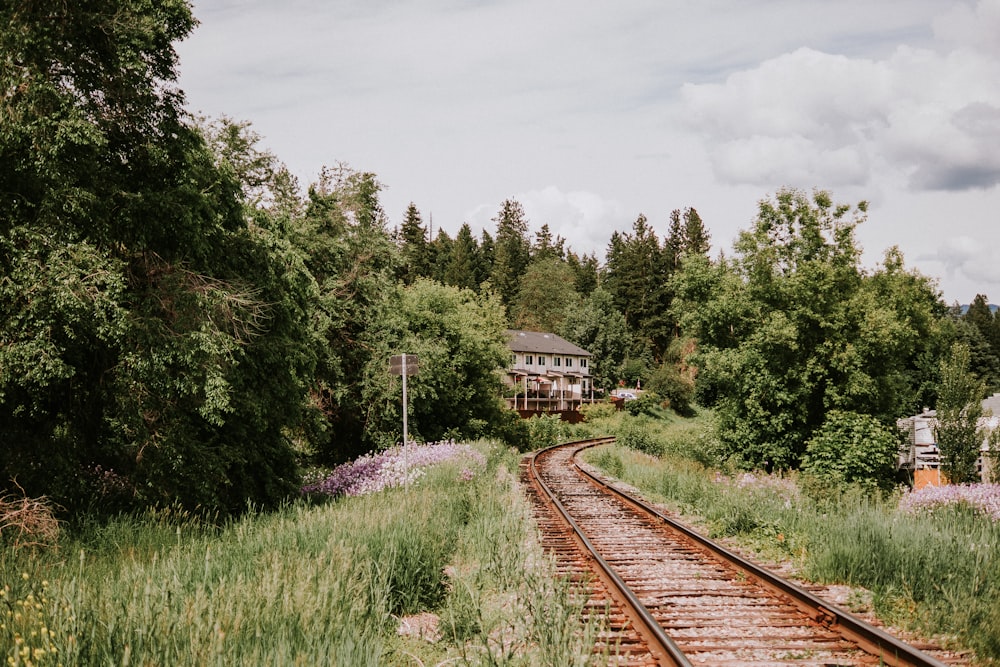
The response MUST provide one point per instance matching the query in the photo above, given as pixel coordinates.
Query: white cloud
(809, 118)
(584, 219)
(969, 258)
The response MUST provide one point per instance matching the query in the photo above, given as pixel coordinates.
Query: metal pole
(406, 434)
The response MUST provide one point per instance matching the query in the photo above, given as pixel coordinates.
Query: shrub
(852, 448)
(646, 403)
(546, 430)
(637, 434)
(594, 411)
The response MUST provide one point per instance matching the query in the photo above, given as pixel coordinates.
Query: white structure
(920, 454)
(548, 372)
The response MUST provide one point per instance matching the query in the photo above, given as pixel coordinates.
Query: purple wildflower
(983, 498)
(397, 466)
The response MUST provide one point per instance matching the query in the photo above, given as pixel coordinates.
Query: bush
(646, 403)
(594, 411)
(637, 434)
(852, 448)
(546, 430)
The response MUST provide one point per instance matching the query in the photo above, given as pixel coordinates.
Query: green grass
(938, 574)
(309, 585)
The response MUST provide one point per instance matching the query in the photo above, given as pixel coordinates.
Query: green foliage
(959, 408)
(596, 411)
(675, 378)
(851, 448)
(595, 325)
(646, 403)
(152, 335)
(636, 277)
(511, 251)
(793, 328)
(637, 433)
(938, 574)
(460, 340)
(545, 294)
(546, 430)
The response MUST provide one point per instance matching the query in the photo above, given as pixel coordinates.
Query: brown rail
(689, 600)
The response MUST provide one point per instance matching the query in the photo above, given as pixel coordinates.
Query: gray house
(547, 372)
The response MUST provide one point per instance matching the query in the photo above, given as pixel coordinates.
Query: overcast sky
(590, 113)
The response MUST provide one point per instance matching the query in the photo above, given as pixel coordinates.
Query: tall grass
(311, 584)
(936, 572)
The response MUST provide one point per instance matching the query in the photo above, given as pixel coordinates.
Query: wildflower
(397, 466)
(984, 499)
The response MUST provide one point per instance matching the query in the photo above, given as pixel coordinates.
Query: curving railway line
(671, 597)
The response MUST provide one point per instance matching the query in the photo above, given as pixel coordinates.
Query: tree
(685, 236)
(353, 263)
(792, 328)
(959, 407)
(586, 272)
(852, 448)
(464, 265)
(636, 277)
(415, 250)
(545, 294)
(985, 348)
(511, 251)
(595, 325)
(460, 340)
(153, 333)
(547, 247)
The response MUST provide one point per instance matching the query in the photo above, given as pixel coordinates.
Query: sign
(403, 364)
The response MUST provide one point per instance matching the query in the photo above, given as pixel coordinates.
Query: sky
(591, 113)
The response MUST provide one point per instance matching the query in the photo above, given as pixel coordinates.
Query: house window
(541, 361)
(528, 360)
(513, 360)
(583, 363)
(569, 362)
(557, 360)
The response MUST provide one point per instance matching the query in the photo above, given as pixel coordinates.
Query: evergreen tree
(547, 247)
(545, 294)
(511, 251)
(637, 278)
(416, 253)
(586, 272)
(464, 266)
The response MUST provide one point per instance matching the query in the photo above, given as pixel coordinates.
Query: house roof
(993, 404)
(539, 342)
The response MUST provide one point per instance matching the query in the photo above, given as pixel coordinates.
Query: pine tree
(416, 253)
(511, 251)
(463, 266)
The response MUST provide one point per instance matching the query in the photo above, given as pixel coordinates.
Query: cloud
(808, 118)
(583, 218)
(970, 258)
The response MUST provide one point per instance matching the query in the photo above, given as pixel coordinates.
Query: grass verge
(936, 572)
(326, 584)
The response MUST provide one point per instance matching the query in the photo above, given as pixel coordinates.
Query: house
(920, 453)
(547, 372)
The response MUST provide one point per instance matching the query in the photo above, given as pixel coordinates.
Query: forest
(181, 322)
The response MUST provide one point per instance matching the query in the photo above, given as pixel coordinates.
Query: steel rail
(890, 650)
(660, 645)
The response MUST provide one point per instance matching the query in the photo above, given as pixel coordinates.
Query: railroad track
(672, 597)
